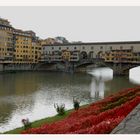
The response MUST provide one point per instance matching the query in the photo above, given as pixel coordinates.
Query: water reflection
(134, 75)
(99, 77)
(33, 94)
(97, 88)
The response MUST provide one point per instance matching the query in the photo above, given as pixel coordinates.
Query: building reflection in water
(99, 77)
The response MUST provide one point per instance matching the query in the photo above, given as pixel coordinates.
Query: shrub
(60, 109)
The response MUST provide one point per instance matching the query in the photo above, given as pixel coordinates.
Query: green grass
(38, 123)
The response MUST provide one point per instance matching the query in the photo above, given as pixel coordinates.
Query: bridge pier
(121, 69)
(118, 69)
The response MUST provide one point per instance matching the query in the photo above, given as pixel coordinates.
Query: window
(75, 48)
(121, 47)
(83, 48)
(110, 47)
(101, 47)
(92, 48)
(59, 48)
(52, 48)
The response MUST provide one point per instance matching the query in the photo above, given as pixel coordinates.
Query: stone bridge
(118, 68)
(87, 64)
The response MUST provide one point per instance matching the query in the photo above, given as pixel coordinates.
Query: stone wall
(18, 67)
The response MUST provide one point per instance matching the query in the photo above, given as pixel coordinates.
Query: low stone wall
(18, 67)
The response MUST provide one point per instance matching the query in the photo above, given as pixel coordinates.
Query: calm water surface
(33, 94)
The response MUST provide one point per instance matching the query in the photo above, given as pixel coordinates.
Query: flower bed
(98, 118)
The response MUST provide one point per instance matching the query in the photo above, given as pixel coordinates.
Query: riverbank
(38, 123)
(100, 117)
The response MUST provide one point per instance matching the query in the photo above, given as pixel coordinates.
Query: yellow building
(23, 46)
(27, 48)
(125, 55)
(36, 51)
(17, 46)
(66, 55)
(6, 41)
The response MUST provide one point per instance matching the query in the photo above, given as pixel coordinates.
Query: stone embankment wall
(38, 67)
(16, 67)
(31, 67)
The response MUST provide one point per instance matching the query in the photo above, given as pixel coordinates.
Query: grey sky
(87, 24)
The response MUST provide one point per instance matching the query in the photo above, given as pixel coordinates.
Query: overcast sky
(86, 24)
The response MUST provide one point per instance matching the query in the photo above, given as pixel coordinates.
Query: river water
(33, 94)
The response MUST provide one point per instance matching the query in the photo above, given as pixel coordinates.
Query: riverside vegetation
(97, 118)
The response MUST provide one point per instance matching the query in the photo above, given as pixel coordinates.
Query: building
(48, 41)
(98, 50)
(6, 42)
(54, 41)
(17, 46)
(70, 56)
(27, 48)
(118, 56)
(59, 53)
(23, 47)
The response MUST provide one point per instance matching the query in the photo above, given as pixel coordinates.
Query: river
(33, 94)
